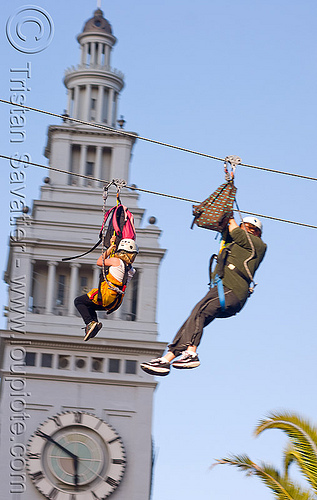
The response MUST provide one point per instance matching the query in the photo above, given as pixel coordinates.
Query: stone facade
(46, 368)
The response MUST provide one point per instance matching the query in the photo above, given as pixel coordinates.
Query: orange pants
(109, 297)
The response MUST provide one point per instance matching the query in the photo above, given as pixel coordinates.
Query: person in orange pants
(110, 295)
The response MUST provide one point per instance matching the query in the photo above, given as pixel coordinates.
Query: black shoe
(187, 360)
(92, 329)
(156, 367)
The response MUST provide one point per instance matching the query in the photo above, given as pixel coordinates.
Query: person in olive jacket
(244, 250)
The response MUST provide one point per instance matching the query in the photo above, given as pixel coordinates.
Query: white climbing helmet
(254, 221)
(128, 245)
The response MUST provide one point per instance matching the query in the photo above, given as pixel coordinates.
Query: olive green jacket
(240, 251)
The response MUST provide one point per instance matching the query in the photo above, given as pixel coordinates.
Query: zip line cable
(135, 188)
(110, 129)
(153, 141)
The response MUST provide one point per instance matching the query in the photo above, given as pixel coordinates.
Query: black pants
(87, 308)
(203, 313)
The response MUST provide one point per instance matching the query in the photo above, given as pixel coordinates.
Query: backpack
(214, 213)
(120, 220)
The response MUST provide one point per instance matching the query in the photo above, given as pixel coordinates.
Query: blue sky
(222, 77)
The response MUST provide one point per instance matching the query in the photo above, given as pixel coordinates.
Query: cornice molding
(80, 130)
(87, 380)
(91, 348)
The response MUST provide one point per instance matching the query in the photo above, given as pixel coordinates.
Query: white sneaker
(187, 360)
(157, 366)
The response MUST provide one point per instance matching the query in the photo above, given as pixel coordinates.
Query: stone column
(105, 106)
(110, 105)
(95, 277)
(74, 267)
(28, 280)
(69, 101)
(76, 102)
(92, 54)
(147, 293)
(99, 53)
(107, 56)
(98, 164)
(99, 104)
(31, 291)
(140, 306)
(50, 287)
(114, 110)
(88, 103)
(84, 53)
(82, 164)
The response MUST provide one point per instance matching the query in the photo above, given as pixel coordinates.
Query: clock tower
(76, 417)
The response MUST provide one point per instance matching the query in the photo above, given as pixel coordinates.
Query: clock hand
(76, 471)
(68, 452)
(49, 438)
(91, 470)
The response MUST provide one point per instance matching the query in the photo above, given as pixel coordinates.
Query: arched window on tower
(89, 172)
(93, 103)
(93, 109)
(90, 165)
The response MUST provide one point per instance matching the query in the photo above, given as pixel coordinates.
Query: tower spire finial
(98, 4)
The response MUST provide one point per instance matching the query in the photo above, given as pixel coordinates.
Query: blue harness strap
(221, 293)
(217, 280)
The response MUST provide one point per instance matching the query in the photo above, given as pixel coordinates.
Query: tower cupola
(98, 23)
(93, 86)
(96, 41)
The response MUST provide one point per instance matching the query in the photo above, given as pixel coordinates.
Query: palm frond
(282, 487)
(303, 438)
(289, 456)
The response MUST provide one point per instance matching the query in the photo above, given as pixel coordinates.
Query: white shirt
(118, 272)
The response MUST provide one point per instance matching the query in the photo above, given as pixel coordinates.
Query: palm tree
(301, 449)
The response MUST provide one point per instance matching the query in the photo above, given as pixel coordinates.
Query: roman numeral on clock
(57, 421)
(111, 481)
(33, 455)
(114, 440)
(119, 461)
(53, 494)
(37, 476)
(78, 417)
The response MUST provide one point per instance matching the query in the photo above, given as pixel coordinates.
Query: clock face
(75, 456)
